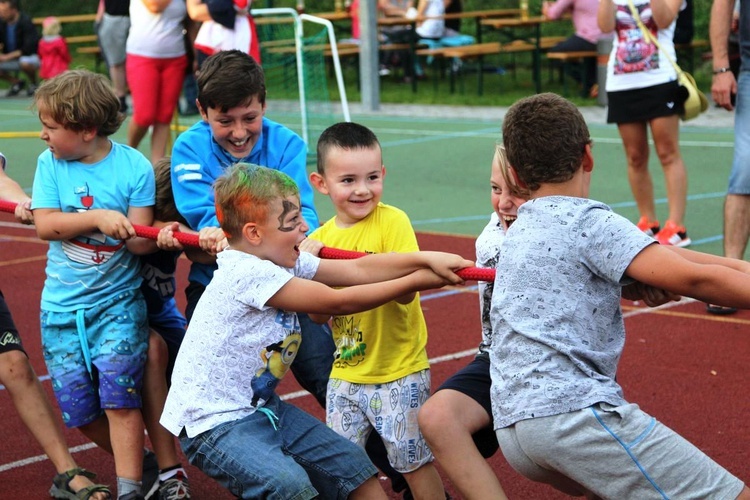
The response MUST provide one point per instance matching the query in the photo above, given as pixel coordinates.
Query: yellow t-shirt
(386, 343)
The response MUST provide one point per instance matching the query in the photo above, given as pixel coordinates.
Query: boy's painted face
(283, 232)
(354, 181)
(504, 203)
(238, 130)
(65, 144)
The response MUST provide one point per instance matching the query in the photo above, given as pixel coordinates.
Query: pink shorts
(155, 86)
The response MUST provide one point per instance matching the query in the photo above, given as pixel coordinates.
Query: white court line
(298, 394)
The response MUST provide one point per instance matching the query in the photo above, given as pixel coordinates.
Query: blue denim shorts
(279, 453)
(95, 356)
(739, 178)
(613, 452)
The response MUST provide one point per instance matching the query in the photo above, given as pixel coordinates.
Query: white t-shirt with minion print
(236, 349)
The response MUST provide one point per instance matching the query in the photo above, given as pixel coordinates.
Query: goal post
(294, 48)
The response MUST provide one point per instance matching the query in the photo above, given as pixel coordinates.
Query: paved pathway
(714, 117)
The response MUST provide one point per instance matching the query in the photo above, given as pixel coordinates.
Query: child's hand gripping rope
(468, 274)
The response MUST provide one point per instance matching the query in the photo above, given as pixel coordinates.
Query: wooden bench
(572, 58)
(687, 50)
(479, 50)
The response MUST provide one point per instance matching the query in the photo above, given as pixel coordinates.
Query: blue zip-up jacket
(197, 161)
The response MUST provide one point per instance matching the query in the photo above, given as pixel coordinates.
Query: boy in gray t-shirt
(558, 332)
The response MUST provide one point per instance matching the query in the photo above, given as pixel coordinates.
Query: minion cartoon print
(276, 358)
(635, 54)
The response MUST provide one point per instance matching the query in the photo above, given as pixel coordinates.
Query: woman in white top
(155, 68)
(642, 92)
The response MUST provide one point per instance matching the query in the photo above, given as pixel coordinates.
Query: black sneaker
(175, 488)
(16, 88)
(31, 90)
(130, 496)
(123, 105)
(150, 478)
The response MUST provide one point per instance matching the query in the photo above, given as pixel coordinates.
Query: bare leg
(30, 72)
(666, 133)
(159, 140)
(117, 75)
(136, 133)
(745, 494)
(98, 432)
(126, 436)
(736, 225)
(369, 490)
(447, 420)
(425, 483)
(154, 396)
(635, 142)
(35, 410)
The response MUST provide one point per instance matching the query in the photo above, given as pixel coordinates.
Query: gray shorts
(32, 60)
(614, 452)
(113, 34)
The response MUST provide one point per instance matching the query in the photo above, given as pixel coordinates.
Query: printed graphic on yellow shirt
(350, 349)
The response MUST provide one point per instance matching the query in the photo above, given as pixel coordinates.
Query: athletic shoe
(672, 234)
(30, 90)
(648, 227)
(130, 496)
(16, 88)
(150, 478)
(175, 488)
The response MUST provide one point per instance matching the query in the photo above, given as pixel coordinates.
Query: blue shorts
(105, 370)
(296, 456)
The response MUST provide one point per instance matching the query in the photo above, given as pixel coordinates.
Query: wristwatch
(719, 71)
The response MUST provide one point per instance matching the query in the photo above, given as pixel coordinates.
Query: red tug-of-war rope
(189, 239)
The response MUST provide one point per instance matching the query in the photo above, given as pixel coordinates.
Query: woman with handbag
(642, 92)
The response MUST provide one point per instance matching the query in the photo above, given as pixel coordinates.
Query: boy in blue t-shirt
(233, 129)
(88, 193)
(25, 389)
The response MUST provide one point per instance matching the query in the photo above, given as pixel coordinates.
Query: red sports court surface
(685, 367)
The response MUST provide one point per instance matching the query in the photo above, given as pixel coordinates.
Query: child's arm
(166, 241)
(142, 216)
(53, 224)
(705, 277)
(380, 267)
(306, 296)
(651, 296)
(10, 190)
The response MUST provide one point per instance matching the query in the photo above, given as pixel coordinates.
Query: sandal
(720, 310)
(61, 486)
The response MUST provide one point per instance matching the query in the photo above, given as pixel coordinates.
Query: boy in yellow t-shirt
(380, 376)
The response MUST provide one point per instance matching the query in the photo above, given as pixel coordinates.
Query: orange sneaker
(672, 234)
(647, 226)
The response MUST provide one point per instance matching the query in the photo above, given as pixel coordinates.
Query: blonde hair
(80, 100)
(51, 26)
(513, 187)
